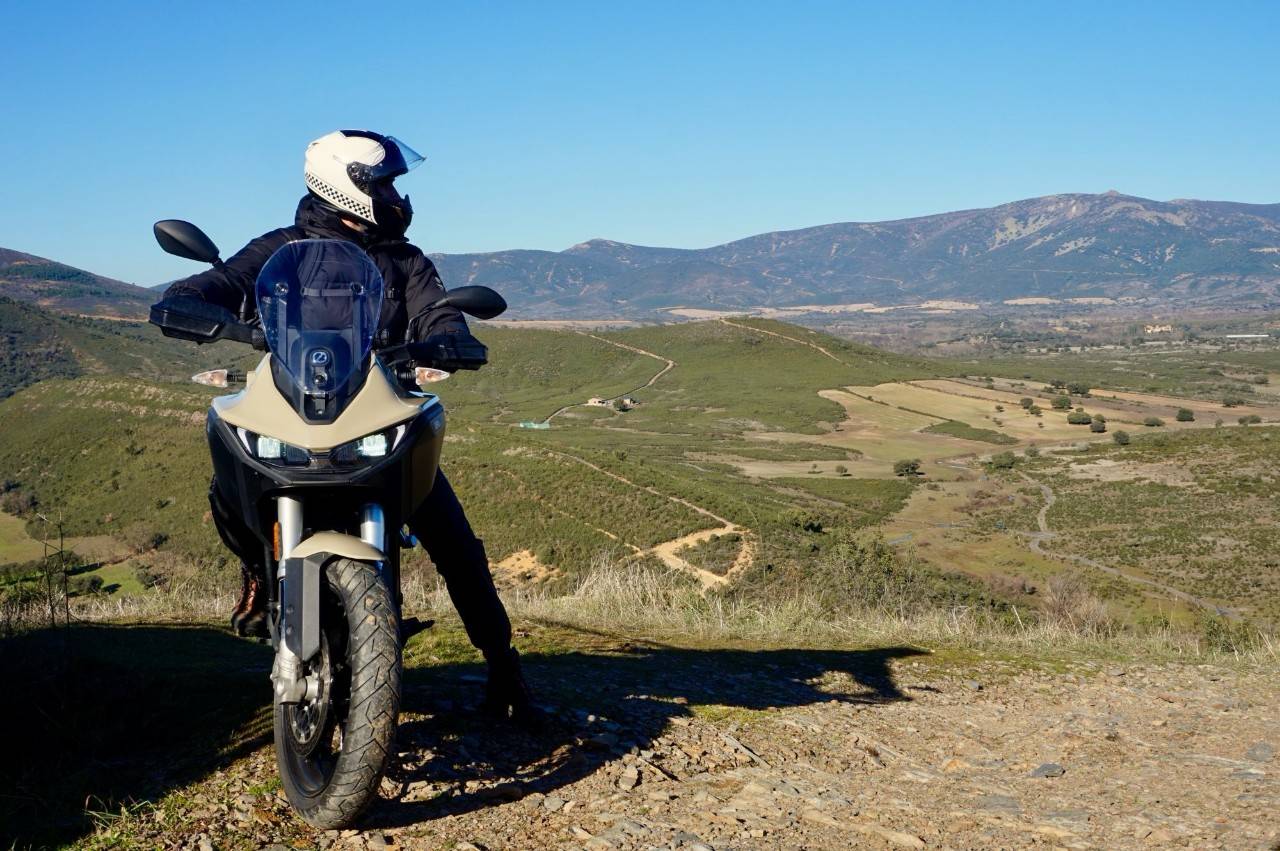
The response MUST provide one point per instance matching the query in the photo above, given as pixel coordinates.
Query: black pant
(458, 554)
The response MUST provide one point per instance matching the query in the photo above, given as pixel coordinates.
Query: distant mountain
(66, 289)
(1058, 246)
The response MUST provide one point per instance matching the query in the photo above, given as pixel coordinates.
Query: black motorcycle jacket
(410, 280)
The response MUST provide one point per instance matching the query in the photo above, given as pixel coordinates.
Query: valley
(747, 504)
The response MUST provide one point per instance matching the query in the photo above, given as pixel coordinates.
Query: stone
(553, 804)
(999, 804)
(815, 816)
(1261, 752)
(973, 685)
(1048, 769)
(630, 778)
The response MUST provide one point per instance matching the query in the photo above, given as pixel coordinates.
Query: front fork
(298, 597)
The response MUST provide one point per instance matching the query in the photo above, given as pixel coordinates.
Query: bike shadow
(605, 703)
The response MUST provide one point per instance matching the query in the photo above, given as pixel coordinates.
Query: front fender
(338, 544)
(300, 587)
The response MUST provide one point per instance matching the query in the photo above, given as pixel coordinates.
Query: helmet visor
(398, 158)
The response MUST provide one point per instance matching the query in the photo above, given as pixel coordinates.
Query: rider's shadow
(636, 694)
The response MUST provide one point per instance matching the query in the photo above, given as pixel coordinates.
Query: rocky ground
(654, 747)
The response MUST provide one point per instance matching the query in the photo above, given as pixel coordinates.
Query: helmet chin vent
(338, 198)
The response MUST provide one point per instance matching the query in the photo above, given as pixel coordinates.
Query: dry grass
(644, 601)
(641, 601)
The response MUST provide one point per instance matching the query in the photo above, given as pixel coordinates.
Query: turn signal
(429, 375)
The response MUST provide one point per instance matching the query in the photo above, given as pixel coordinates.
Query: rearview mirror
(184, 239)
(480, 302)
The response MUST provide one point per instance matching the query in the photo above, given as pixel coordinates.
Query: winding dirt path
(785, 337)
(669, 365)
(1035, 540)
(667, 550)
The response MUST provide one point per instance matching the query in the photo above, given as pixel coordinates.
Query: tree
(1121, 438)
(907, 467)
(1185, 415)
(1034, 410)
(1153, 422)
(1098, 426)
(1026, 401)
(1061, 403)
(1078, 388)
(842, 470)
(1079, 418)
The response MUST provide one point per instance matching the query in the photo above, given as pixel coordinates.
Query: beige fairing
(261, 409)
(338, 544)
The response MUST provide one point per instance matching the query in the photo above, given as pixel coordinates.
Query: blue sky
(683, 124)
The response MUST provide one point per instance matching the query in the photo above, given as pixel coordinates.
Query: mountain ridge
(1065, 246)
(1108, 245)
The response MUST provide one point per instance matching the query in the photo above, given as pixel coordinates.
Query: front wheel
(333, 749)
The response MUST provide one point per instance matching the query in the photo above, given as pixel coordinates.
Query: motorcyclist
(351, 196)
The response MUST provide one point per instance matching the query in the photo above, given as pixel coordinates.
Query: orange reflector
(275, 542)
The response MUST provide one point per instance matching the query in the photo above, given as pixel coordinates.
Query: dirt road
(1035, 540)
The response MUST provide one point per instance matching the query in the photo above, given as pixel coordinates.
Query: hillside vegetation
(54, 285)
(749, 453)
(36, 344)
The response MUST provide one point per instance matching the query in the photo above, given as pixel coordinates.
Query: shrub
(1061, 403)
(1034, 410)
(1121, 438)
(1232, 401)
(1078, 388)
(1026, 401)
(1251, 419)
(84, 586)
(907, 467)
(1098, 426)
(842, 470)
(1068, 601)
(1079, 418)
(1004, 460)
(140, 537)
(1032, 452)
(18, 502)
(148, 578)
(1185, 415)
(1153, 422)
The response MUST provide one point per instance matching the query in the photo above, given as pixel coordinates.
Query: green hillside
(117, 453)
(36, 344)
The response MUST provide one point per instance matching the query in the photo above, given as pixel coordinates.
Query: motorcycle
(328, 449)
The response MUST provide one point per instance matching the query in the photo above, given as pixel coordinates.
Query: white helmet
(353, 170)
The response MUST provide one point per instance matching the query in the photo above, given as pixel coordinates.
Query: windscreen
(319, 301)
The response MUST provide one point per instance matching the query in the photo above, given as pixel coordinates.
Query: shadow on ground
(96, 717)
(636, 691)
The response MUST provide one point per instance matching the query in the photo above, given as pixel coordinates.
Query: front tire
(332, 750)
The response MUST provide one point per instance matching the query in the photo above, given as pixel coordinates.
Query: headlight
(371, 447)
(273, 450)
